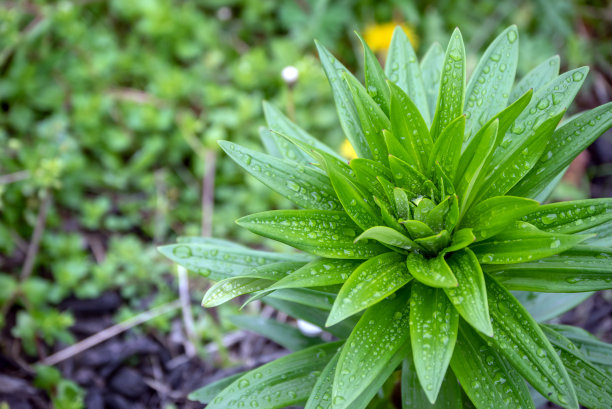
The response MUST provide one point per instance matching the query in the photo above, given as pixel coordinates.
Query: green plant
(411, 249)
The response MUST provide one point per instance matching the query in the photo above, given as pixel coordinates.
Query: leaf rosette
(410, 251)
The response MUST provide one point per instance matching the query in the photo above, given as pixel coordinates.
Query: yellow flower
(378, 36)
(347, 150)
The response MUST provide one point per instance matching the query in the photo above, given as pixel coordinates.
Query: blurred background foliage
(109, 113)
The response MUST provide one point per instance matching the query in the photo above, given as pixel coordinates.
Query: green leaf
(491, 81)
(349, 119)
(387, 235)
(413, 395)
(444, 215)
(431, 69)
(402, 203)
(358, 207)
(318, 273)
(521, 243)
(373, 120)
(365, 356)
(211, 241)
(495, 214)
(221, 262)
(367, 171)
(389, 188)
(207, 393)
(417, 229)
(407, 176)
(461, 239)
(571, 217)
(284, 382)
(402, 68)
(399, 148)
(320, 397)
(433, 332)
(375, 78)
(546, 306)
(537, 78)
(308, 188)
(589, 345)
(486, 377)
(593, 386)
(433, 272)
(467, 178)
(447, 149)
(281, 333)
(409, 127)
(305, 296)
(519, 338)
(580, 269)
(564, 146)
(548, 102)
(257, 279)
(268, 139)
(452, 91)
(507, 170)
(434, 244)
(280, 124)
(323, 233)
(470, 296)
(371, 282)
(388, 218)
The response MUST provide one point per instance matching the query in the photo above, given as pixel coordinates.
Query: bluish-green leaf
(433, 272)
(546, 306)
(308, 188)
(402, 68)
(371, 282)
(349, 119)
(323, 233)
(433, 332)
(523, 242)
(564, 146)
(365, 356)
(495, 214)
(487, 378)
(470, 295)
(367, 171)
(431, 69)
(519, 338)
(452, 86)
(491, 81)
(284, 382)
(537, 77)
(580, 269)
(323, 272)
(221, 262)
(571, 217)
(409, 127)
(590, 346)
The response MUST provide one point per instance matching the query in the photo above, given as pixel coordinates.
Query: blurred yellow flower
(347, 150)
(378, 36)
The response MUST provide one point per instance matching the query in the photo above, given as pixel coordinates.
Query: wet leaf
(431, 69)
(546, 306)
(407, 176)
(413, 395)
(571, 217)
(283, 334)
(375, 78)
(433, 272)
(387, 235)
(590, 346)
(447, 149)
(537, 78)
(323, 272)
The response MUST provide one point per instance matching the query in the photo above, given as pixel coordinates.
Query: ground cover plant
(409, 252)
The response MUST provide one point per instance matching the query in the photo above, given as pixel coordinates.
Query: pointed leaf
(433, 272)
(318, 273)
(431, 69)
(323, 233)
(537, 78)
(349, 119)
(470, 296)
(371, 282)
(571, 217)
(413, 395)
(268, 139)
(308, 188)
(461, 239)
(402, 203)
(388, 218)
(367, 171)
(207, 393)
(447, 149)
(375, 78)
(491, 81)
(407, 176)
(417, 229)
(495, 214)
(519, 338)
(580, 269)
(387, 235)
(221, 262)
(564, 146)
(487, 378)
(364, 356)
(434, 244)
(320, 397)
(589, 345)
(402, 67)
(452, 90)
(433, 332)
(283, 334)
(522, 243)
(278, 384)
(409, 127)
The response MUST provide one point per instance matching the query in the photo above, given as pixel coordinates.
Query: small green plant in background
(410, 251)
